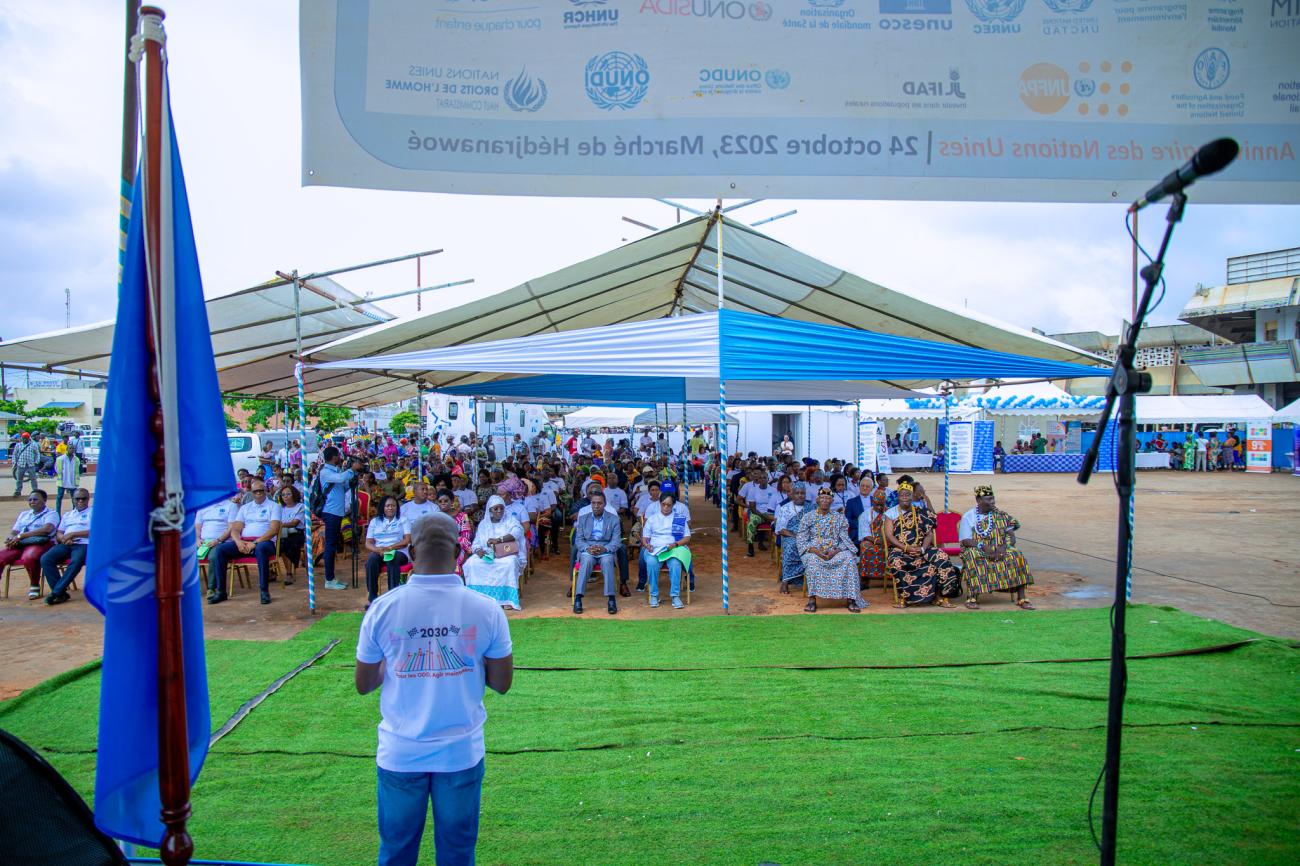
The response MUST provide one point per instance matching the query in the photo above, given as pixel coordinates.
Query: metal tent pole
(722, 418)
(947, 448)
(302, 425)
(682, 462)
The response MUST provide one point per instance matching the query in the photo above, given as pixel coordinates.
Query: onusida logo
(1061, 6)
(616, 79)
(734, 10)
(1211, 68)
(525, 93)
(777, 79)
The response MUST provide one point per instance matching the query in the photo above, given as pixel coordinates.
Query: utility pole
(67, 307)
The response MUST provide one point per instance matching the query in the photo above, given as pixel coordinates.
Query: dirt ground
(1204, 543)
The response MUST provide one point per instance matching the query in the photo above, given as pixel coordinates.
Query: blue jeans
(333, 541)
(73, 554)
(652, 566)
(226, 552)
(404, 804)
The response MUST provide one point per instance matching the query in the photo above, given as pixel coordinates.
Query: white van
(244, 447)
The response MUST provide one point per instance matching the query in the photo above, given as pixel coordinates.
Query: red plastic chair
(945, 532)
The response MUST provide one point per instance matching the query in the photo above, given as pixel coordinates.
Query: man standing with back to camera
(433, 645)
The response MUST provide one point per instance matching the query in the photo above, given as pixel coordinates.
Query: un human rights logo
(617, 79)
(525, 93)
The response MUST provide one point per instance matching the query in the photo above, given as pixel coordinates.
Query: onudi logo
(1045, 88)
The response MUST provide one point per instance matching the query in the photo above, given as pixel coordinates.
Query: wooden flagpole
(173, 749)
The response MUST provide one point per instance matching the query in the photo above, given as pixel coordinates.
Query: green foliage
(401, 419)
(14, 407)
(728, 755)
(263, 412)
(35, 420)
(329, 418)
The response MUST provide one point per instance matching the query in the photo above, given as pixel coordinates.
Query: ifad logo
(616, 79)
(524, 93)
(997, 15)
(1211, 68)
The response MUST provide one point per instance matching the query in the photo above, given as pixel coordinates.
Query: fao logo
(525, 93)
(996, 10)
(1068, 5)
(617, 79)
(1211, 68)
(777, 79)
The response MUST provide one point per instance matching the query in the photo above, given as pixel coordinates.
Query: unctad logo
(730, 10)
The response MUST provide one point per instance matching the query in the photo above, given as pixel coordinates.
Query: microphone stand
(1125, 384)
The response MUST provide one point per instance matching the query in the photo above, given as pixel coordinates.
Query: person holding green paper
(212, 525)
(388, 539)
(664, 540)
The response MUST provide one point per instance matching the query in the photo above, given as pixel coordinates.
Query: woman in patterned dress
(989, 558)
(871, 564)
(923, 573)
(830, 566)
(788, 516)
(450, 506)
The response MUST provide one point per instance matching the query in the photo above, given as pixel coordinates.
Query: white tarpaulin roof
(670, 272)
(635, 416)
(1204, 409)
(892, 409)
(252, 338)
(1288, 414)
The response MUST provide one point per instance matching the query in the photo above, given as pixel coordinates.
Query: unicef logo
(777, 79)
(1068, 5)
(1211, 68)
(525, 93)
(1085, 87)
(617, 79)
(996, 10)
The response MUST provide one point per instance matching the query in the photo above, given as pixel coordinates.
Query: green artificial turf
(714, 751)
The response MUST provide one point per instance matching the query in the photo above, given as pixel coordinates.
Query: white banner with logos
(1259, 446)
(961, 447)
(1018, 100)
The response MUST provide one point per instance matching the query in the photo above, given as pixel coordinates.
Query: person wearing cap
(25, 457)
(923, 573)
(989, 558)
(71, 545)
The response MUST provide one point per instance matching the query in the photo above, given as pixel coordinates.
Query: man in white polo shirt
(252, 533)
(433, 645)
(70, 547)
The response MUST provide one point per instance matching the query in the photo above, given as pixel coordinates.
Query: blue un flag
(120, 578)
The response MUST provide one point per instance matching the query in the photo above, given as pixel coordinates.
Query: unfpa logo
(1045, 88)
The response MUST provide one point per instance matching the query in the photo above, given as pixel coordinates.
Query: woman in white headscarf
(486, 572)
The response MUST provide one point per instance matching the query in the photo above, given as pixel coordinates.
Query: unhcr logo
(525, 93)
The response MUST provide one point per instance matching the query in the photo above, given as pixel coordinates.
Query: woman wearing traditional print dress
(871, 565)
(788, 516)
(828, 556)
(450, 506)
(990, 560)
(923, 573)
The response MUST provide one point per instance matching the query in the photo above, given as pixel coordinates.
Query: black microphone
(1211, 158)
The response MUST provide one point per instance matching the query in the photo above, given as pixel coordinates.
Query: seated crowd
(837, 527)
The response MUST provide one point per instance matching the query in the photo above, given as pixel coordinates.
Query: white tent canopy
(897, 409)
(1288, 414)
(253, 338)
(673, 272)
(1203, 409)
(635, 416)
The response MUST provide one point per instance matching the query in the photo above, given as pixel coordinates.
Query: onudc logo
(1211, 68)
(996, 11)
(1062, 6)
(525, 93)
(777, 79)
(617, 79)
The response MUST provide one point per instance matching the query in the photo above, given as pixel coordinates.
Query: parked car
(244, 447)
(90, 446)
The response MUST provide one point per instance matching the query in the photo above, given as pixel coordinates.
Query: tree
(330, 417)
(36, 421)
(401, 420)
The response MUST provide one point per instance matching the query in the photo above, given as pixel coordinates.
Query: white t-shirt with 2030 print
(433, 635)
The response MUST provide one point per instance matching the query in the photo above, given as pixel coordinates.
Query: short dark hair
(593, 494)
(668, 495)
(297, 497)
(330, 453)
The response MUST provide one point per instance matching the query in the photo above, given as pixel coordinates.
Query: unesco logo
(525, 93)
(1211, 68)
(1068, 5)
(617, 79)
(996, 10)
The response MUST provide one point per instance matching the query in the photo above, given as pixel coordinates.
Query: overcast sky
(235, 97)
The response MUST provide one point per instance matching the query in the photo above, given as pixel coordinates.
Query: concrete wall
(91, 410)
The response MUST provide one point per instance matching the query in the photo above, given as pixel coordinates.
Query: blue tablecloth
(1042, 463)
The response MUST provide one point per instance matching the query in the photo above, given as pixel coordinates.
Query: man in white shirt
(419, 506)
(252, 533)
(432, 645)
(212, 527)
(1202, 449)
(70, 546)
(762, 500)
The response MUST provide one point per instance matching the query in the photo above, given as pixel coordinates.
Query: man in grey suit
(597, 538)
